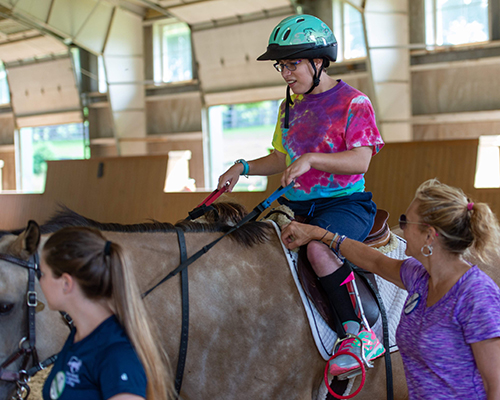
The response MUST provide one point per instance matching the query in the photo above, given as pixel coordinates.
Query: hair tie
(470, 205)
(107, 248)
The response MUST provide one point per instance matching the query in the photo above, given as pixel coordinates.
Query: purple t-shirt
(435, 341)
(337, 120)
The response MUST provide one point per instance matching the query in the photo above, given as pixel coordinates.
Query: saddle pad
(392, 296)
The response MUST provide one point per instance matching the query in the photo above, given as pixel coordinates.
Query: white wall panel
(129, 123)
(86, 21)
(220, 9)
(397, 132)
(390, 6)
(387, 29)
(68, 16)
(123, 60)
(227, 56)
(38, 9)
(47, 87)
(124, 72)
(125, 37)
(396, 101)
(93, 34)
(30, 48)
(389, 64)
(126, 96)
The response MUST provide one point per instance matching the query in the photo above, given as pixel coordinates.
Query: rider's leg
(332, 273)
(355, 222)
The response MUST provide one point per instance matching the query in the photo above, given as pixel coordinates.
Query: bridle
(27, 344)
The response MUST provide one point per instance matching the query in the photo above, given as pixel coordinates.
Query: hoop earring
(429, 249)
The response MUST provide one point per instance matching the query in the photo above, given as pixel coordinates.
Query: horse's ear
(32, 238)
(28, 240)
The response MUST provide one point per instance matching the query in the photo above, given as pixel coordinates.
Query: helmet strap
(288, 103)
(316, 75)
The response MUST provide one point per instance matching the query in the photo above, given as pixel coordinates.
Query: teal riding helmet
(301, 36)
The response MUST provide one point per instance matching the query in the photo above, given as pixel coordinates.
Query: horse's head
(19, 270)
(224, 212)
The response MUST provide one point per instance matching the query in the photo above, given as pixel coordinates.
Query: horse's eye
(5, 308)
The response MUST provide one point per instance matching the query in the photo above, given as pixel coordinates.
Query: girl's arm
(487, 356)
(271, 164)
(296, 234)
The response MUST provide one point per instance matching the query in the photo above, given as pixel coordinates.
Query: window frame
(339, 30)
(431, 18)
(158, 59)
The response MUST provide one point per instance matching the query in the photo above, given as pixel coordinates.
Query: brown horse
(248, 336)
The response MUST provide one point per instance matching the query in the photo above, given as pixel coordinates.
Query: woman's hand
(296, 234)
(230, 177)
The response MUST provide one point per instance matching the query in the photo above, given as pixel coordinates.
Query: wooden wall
(131, 188)
(128, 190)
(397, 171)
(9, 168)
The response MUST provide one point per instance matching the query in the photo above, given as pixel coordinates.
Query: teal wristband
(246, 168)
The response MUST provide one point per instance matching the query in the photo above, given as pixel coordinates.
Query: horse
(249, 336)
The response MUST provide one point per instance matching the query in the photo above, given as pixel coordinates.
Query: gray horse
(249, 336)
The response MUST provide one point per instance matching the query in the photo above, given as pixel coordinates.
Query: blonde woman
(111, 352)
(449, 334)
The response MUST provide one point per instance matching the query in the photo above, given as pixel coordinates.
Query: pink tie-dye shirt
(337, 120)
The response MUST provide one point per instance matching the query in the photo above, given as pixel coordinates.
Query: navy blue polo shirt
(98, 367)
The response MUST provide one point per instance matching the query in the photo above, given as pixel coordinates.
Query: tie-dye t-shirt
(435, 341)
(337, 120)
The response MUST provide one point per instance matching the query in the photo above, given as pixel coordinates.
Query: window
(4, 86)
(488, 163)
(348, 29)
(241, 131)
(39, 144)
(452, 22)
(172, 52)
(102, 85)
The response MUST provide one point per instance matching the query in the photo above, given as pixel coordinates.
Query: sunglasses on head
(403, 221)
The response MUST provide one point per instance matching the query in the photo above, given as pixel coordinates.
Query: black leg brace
(338, 296)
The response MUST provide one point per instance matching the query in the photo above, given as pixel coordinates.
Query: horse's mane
(221, 221)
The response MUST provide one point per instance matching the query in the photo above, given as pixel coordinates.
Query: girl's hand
(299, 167)
(230, 177)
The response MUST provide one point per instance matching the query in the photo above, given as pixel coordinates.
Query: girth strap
(181, 362)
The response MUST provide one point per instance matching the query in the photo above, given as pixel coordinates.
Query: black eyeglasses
(403, 221)
(290, 66)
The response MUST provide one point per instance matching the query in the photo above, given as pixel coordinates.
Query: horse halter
(27, 345)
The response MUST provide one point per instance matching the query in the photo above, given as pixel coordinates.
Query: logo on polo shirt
(57, 385)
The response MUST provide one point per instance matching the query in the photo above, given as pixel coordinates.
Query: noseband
(27, 345)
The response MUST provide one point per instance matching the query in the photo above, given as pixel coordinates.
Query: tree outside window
(42, 143)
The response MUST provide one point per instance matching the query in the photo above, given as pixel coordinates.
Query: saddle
(379, 236)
